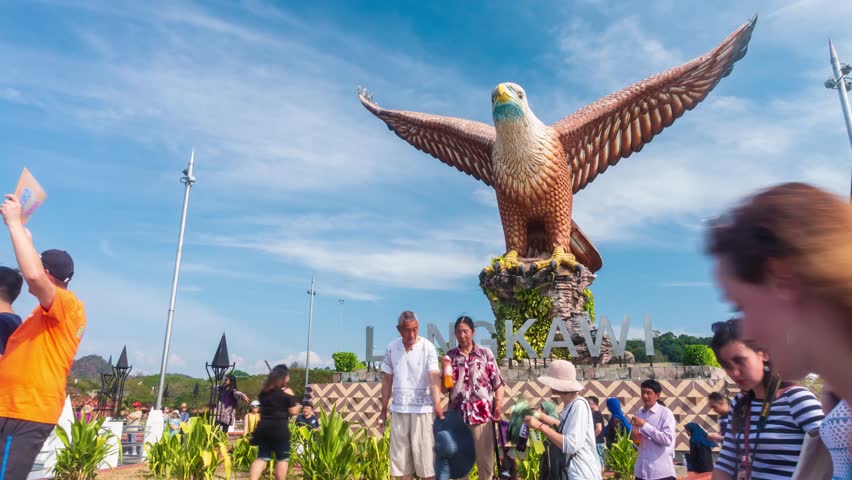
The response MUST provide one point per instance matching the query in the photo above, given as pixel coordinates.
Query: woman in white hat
(574, 431)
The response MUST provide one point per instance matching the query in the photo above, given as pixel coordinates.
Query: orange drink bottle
(449, 383)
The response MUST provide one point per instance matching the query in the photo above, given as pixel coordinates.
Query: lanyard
(764, 416)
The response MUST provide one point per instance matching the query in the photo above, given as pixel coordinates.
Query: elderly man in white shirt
(412, 374)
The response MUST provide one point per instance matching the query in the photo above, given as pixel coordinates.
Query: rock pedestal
(564, 289)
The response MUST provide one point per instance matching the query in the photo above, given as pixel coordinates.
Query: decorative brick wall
(687, 398)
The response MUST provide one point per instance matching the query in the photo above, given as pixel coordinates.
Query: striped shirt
(724, 424)
(794, 412)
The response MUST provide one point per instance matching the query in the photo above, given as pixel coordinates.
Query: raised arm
(29, 261)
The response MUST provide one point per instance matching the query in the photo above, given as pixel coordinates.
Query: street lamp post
(120, 372)
(842, 83)
(105, 393)
(340, 324)
(216, 372)
(312, 292)
(188, 179)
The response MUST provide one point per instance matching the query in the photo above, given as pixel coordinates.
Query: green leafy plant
(528, 467)
(196, 454)
(330, 452)
(346, 362)
(243, 454)
(699, 355)
(85, 447)
(375, 455)
(621, 457)
(162, 455)
(589, 306)
(524, 305)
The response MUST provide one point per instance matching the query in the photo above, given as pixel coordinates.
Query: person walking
(656, 426)
(598, 421)
(476, 393)
(573, 434)
(411, 384)
(251, 418)
(769, 417)
(782, 258)
(272, 436)
(10, 287)
(618, 424)
(38, 356)
(226, 409)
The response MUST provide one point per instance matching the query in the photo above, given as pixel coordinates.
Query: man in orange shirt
(38, 356)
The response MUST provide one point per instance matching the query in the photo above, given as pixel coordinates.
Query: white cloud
(176, 360)
(317, 361)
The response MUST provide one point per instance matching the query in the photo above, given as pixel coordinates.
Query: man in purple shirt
(656, 426)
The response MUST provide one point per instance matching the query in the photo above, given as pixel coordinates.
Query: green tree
(240, 375)
(699, 355)
(346, 362)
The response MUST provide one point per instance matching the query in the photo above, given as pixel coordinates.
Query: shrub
(194, 454)
(85, 448)
(346, 362)
(621, 457)
(375, 455)
(699, 355)
(330, 452)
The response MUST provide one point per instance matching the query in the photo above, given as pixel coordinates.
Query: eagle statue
(536, 169)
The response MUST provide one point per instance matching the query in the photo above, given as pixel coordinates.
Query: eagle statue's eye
(520, 95)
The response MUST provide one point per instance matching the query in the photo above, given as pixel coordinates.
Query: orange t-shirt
(38, 358)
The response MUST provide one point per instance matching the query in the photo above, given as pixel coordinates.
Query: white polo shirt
(410, 370)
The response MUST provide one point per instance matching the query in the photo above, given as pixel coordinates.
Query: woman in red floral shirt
(477, 392)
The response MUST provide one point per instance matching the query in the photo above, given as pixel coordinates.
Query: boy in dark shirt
(11, 282)
(307, 416)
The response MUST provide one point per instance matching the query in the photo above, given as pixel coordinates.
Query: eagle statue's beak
(503, 95)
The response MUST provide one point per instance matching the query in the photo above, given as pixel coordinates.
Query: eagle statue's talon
(559, 258)
(508, 262)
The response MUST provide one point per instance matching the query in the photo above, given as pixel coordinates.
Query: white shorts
(412, 444)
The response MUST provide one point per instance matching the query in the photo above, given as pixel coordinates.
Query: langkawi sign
(556, 326)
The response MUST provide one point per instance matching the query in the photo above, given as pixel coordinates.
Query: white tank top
(835, 434)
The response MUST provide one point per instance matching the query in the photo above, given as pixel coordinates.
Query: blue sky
(103, 102)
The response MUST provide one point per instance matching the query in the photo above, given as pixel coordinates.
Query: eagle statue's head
(508, 102)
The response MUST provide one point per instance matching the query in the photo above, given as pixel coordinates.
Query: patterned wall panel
(687, 399)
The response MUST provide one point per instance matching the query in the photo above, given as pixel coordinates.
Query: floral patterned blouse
(477, 377)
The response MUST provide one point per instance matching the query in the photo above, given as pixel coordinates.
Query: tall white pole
(311, 292)
(340, 324)
(840, 85)
(188, 179)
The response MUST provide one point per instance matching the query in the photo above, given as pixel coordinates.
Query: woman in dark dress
(272, 435)
(700, 457)
(227, 405)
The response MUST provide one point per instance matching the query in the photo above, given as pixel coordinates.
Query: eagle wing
(602, 133)
(464, 144)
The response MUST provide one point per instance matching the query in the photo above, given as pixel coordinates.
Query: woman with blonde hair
(784, 259)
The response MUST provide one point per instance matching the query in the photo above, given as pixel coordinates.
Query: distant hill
(89, 367)
(84, 380)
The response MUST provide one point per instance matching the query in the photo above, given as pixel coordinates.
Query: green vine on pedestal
(526, 304)
(589, 306)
